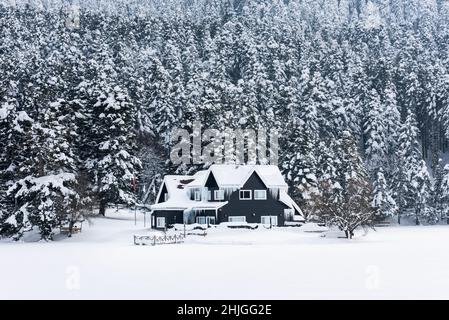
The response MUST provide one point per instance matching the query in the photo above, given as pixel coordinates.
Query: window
(205, 220)
(165, 196)
(160, 222)
(209, 195)
(201, 220)
(289, 213)
(219, 194)
(197, 196)
(269, 220)
(237, 219)
(260, 194)
(245, 195)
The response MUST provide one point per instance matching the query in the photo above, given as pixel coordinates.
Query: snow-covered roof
(178, 196)
(226, 176)
(229, 175)
(176, 186)
(288, 201)
(187, 204)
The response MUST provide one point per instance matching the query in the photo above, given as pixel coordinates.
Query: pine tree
(299, 165)
(410, 176)
(376, 143)
(383, 201)
(443, 193)
(424, 209)
(116, 165)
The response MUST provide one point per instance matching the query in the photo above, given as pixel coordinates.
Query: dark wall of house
(252, 209)
(162, 196)
(212, 185)
(171, 217)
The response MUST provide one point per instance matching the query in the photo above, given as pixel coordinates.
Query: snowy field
(283, 263)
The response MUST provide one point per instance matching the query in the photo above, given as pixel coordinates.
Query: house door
(160, 222)
(269, 220)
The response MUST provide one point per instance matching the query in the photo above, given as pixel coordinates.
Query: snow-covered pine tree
(116, 164)
(383, 201)
(410, 177)
(7, 115)
(376, 144)
(299, 163)
(443, 193)
(392, 119)
(438, 200)
(44, 195)
(424, 210)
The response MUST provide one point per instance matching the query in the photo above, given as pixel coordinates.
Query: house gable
(162, 193)
(254, 182)
(211, 183)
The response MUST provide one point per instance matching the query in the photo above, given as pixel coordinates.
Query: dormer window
(165, 196)
(245, 195)
(197, 196)
(219, 194)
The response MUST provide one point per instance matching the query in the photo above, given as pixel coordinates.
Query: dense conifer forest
(90, 91)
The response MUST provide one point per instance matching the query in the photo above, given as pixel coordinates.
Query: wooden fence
(154, 240)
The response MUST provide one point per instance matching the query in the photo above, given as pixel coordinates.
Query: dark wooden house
(225, 193)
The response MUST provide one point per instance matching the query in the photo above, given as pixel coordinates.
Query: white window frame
(197, 196)
(166, 196)
(217, 193)
(264, 197)
(237, 219)
(158, 222)
(250, 195)
(205, 219)
(201, 220)
(209, 195)
(274, 220)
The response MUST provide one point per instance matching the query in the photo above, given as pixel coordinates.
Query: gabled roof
(178, 197)
(175, 186)
(228, 175)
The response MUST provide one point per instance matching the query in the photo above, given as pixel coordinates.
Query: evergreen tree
(117, 166)
(383, 201)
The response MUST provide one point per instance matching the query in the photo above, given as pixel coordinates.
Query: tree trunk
(102, 210)
(71, 224)
(399, 218)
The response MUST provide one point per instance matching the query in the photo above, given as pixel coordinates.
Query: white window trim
(207, 219)
(250, 195)
(216, 192)
(235, 217)
(158, 225)
(264, 194)
(197, 196)
(209, 195)
(274, 220)
(166, 196)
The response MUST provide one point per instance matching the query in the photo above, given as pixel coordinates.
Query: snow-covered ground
(281, 263)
